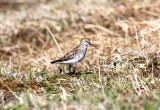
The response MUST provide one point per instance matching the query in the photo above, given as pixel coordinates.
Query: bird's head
(86, 42)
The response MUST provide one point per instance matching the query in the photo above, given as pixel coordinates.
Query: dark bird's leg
(60, 70)
(74, 69)
(69, 68)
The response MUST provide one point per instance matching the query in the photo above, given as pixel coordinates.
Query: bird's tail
(53, 62)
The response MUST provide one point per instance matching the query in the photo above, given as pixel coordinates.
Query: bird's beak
(93, 45)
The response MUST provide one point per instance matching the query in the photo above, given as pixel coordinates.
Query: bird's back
(74, 56)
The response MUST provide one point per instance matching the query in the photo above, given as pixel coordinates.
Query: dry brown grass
(123, 73)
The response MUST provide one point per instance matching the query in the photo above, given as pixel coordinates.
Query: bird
(76, 55)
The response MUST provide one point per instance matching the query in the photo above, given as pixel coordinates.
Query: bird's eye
(87, 41)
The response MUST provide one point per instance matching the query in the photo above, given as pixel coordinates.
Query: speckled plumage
(76, 55)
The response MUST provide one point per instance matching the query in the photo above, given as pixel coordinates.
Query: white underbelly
(76, 59)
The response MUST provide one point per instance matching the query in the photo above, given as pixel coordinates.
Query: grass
(121, 74)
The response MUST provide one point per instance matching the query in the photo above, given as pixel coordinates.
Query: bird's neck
(83, 47)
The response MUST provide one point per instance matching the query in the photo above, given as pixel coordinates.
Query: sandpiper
(76, 55)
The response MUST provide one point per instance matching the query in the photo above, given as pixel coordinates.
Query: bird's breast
(79, 57)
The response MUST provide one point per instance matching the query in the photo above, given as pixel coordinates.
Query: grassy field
(121, 74)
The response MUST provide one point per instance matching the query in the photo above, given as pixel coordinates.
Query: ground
(122, 73)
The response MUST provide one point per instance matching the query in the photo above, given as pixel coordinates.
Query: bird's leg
(60, 69)
(74, 69)
(69, 68)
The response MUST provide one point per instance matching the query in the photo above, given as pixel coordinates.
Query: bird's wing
(68, 56)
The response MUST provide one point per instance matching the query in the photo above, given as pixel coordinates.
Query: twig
(54, 40)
